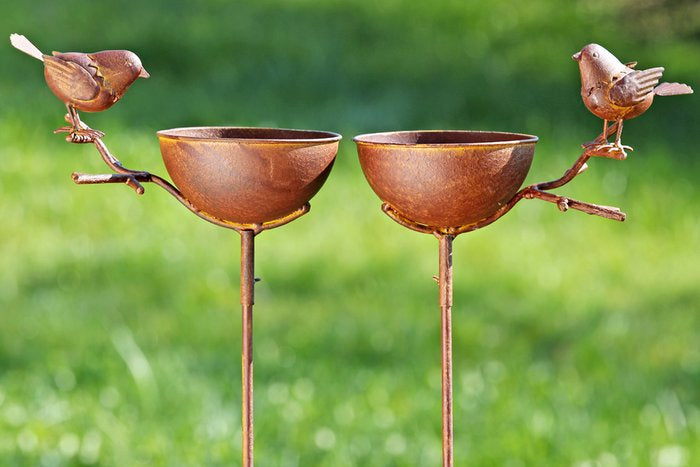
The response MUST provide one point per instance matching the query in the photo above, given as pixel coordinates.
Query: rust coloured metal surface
(445, 178)
(245, 179)
(452, 182)
(443, 183)
(90, 82)
(445, 284)
(248, 175)
(616, 91)
(247, 300)
(447, 183)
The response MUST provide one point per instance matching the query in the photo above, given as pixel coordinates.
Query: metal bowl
(248, 175)
(445, 179)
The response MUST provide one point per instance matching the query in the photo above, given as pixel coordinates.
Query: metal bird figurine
(616, 92)
(88, 82)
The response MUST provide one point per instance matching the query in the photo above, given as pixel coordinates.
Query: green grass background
(576, 339)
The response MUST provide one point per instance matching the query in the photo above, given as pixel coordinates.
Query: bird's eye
(595, 54)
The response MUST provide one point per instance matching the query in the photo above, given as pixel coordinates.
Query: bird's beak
(144, 74)
(576, 56)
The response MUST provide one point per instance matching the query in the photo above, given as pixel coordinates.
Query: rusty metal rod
(445, 284)
(247, 300)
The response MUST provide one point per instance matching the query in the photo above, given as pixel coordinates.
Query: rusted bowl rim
(509, 138)
(305, 136)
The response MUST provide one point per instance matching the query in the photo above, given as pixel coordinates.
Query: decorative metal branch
(537, 190)
(134, 178)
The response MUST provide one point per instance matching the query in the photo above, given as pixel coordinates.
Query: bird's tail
(672, 89)
(22, 43)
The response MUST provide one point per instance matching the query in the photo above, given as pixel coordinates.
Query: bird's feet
(80, 135)
(599, 141)
(610, 150)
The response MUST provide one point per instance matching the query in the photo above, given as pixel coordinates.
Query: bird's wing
(635, 86)
(71, 78)
(672, 89)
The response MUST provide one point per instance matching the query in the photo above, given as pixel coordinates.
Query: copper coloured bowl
(445, 178)
(248, 175)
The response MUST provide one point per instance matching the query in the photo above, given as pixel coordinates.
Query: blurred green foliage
(575, 338)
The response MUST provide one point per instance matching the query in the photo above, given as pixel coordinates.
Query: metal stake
(247, 300)
(410, 172)
(445, 284)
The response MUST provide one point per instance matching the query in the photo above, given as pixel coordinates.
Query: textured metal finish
(445, 284)
(247, 300)
(447, 183)
(245, 179)
(133, 179)
(414, 191)
(445, 178)
(439, 182)
(216, 166)
(90, 82)
(248, 175)
(615, 91)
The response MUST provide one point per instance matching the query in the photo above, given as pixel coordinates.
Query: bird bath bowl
(245, 179)
(248, 175)
(450, 182)
(446, 178)
(443, 183)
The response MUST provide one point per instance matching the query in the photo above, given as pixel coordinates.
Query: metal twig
(129, 180)
(564, 203)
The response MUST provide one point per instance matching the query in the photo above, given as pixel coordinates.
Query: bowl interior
(446, 178)
(444, 137)
(249, 133)
(248, 175)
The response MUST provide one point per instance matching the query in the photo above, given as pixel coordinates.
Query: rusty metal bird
(615, 91)
(90, 82)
